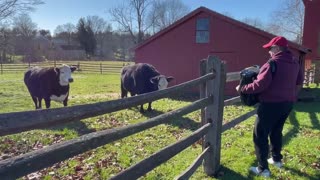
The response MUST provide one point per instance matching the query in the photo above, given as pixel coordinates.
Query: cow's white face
(163, 83)
(65, 75)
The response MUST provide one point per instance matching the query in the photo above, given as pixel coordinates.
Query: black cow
(142, 78)
(49, 84)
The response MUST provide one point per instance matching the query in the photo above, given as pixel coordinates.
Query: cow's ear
(154, 80)
(73, 68)
(170, 78)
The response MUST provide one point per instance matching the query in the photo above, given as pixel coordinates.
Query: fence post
(100, 68)
(313, 74)
(1, 67)
(307, 77)
(78, 66)
(214, 114)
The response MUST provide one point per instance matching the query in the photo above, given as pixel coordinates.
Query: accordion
(247, 76)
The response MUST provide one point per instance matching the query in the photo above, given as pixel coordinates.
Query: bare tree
(25, 27)
(289, 19)
(101, 29)
(123, 44)
(9, 8)
(109, 45)
(5, 42)
(66, 31)
(97, 24)
(256, 22)
(25, 30)
(228, 14)
(274, 28)
(131, 18)
(165, 12)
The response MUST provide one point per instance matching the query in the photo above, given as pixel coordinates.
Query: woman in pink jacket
(277, 93)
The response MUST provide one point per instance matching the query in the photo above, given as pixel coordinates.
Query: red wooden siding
(311, 30)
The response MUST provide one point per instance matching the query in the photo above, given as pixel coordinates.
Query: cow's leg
(149, 106)
(47, 101)
(65, 102)
(39, 103)
(141, 108)
(35, 101)
(124, 92)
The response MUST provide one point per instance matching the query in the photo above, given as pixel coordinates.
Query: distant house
(178, 49)
(60, 50)
(41, 46)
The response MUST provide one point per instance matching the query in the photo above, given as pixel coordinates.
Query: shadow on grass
(226, 173)
(291, 170)
(181, 122)
(314, 120)
(186, 96)
(312, 108)
(314, 91)
(190, 97)
(80, 127)
(294, 131)
(301, 174)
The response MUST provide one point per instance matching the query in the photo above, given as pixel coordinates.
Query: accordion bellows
(248, 75)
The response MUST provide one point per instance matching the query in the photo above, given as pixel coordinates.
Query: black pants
(269, 123)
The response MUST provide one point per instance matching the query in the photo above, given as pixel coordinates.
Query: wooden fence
(309, 76)
(82, 66)
(212, 81)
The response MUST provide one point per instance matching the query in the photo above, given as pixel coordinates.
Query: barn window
(202, 34)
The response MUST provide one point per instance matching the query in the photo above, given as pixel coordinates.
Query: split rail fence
(82, 66)
(309, 76)
(211, 103)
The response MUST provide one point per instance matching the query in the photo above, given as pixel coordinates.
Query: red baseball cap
(278, 41)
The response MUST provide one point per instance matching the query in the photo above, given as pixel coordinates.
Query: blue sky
(58, 12)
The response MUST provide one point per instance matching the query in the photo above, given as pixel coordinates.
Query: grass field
(301, 136)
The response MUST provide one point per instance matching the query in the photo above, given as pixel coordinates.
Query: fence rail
(162, 156)
(194, 166)
(85, 67)
(309, 76)
(212, 81)
(45, 157)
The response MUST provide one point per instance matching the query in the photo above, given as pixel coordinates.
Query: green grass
(301, 136)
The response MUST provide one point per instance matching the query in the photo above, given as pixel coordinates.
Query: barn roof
(222, 17)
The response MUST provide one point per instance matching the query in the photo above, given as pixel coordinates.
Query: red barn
(177, 50)
(311, 30)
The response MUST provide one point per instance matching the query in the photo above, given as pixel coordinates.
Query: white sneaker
(277, 164)
(256, 171)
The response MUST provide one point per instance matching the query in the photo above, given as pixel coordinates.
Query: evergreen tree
(86, 37)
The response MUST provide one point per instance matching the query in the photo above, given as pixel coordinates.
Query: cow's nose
(70, 80)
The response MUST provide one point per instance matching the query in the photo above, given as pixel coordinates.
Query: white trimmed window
(202, 30)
